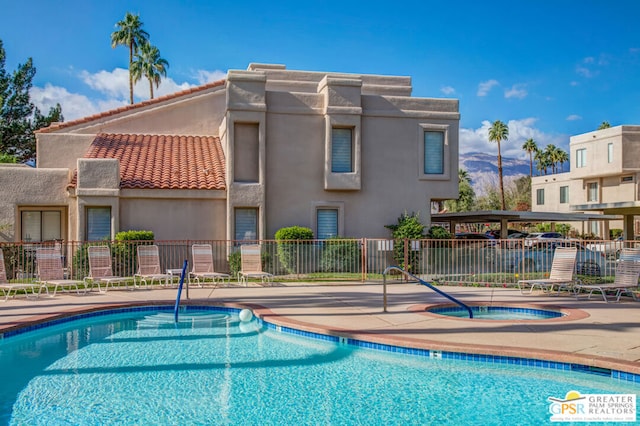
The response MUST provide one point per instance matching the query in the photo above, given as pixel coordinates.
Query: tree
(552, 154)
(129, 33)
(497, 133)
(19, 118)
(530, 147)
(466, 194)
(604, 125)
(149, 64)
(563, 157)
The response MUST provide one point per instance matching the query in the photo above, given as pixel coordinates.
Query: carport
(505, 217)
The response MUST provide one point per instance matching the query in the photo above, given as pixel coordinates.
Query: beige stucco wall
(25, 186)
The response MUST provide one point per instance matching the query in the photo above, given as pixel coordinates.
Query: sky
(550, 69)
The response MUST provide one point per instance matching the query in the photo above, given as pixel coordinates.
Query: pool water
(497, 313)
(140, 368)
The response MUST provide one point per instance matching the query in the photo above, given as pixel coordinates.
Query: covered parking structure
(504, 218)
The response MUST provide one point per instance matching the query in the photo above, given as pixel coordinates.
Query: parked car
(539, 256)
(511, 234)
(531, 239)
(472, 237)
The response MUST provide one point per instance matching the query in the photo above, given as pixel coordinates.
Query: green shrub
(438, 233)
(293, 244)
(235, 262)
(407, 229)
(124, 250)
(341, 255)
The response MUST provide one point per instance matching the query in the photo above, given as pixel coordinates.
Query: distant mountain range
(483, 169)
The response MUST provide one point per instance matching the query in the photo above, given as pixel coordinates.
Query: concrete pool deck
(595, 333)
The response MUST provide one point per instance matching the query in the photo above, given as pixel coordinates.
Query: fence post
(406, 257)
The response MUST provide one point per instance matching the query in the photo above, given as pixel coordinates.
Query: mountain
(483, 169)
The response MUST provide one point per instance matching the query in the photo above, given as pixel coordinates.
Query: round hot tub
(503, 313)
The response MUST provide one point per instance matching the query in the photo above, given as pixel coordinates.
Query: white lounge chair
(51, 272)
(8, 287)
(202, 265)
(149, 270)
(101, 269)
(251, 265)
(561, 274)
(625, 280)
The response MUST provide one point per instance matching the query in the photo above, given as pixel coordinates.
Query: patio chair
(149, 270)
(625, 280)
(561, 275)
(202, 268)
(251, 265)
(8, 287)
(51, 272)
(101, 269)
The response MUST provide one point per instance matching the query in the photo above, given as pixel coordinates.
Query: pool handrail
(177, 307)
(437, 290)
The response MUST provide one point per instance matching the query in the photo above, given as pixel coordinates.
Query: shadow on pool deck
(606, 337)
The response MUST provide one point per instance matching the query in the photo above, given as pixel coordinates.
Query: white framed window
(581, 157)
(98, 223)
(327, 223)
(610, 152)
(341, 150)
(592, 192)
(626, 178)
(433, 153)
(540, 196)
(40, 225)
(564, 194)
(246, 223)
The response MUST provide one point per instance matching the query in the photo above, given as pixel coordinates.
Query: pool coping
(615, 368)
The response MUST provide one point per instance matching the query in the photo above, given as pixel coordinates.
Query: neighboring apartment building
(603, 178)
(342, 154)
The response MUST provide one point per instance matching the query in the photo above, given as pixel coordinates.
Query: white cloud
(477, 140)
(516, 91)
(448, 90)
(574, 83)
(485, 86)
(585, 72)
(589, 60)
(574, 117)
(108, 90)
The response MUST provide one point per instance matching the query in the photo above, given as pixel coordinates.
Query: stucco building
(342, 154)
(603, 178)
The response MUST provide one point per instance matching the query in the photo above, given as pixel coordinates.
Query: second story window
(433, 153)
(341, 150)
(610, 153)
(581, 157)
(592, 192)
(564, 194)
(539, 197)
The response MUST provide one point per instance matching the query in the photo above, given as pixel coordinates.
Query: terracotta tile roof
(163, 162)
(57, 126)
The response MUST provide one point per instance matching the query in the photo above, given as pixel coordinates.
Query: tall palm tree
(129, 33)
(604, 125)
(552, 154)
(531, 147)
(563, 157)
(499, 132)
(149, 64)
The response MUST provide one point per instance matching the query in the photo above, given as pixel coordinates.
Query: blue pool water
(140, 368)
(497, 313)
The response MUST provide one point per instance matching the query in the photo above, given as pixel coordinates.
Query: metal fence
(481, 262)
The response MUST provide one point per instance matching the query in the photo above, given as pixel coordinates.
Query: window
(327, 223)
(40, 225)
(564, 194)
(341, 150)
(246, 224)
(610, 153)
(581, 157)
(592, 191)
(626, 178)
(433, 153)
(98, 223)
(540, 197)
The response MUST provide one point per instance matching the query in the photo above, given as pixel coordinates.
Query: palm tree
(563, 157)
(604, 125)
(552, 154)
(531, 147)
(149, 64)
(542, 161)
(497, 133)
(130, 34)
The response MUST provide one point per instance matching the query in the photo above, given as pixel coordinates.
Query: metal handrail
(437, 290)
(177, 307)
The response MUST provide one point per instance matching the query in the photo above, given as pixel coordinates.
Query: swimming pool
(131, 366)
(498, 312)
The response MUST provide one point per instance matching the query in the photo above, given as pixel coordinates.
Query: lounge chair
(561, 275)
(251, 265)
(8, 287)
(625, 280)
(51, 272)
(101, 269)
(202, 268)
(149, 270)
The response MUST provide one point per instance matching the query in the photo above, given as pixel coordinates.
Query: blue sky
(548, 68)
